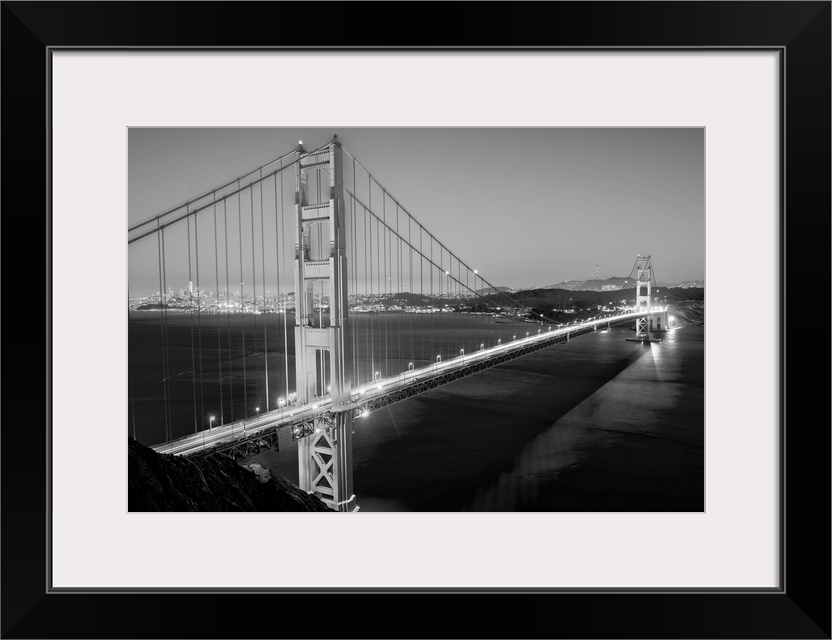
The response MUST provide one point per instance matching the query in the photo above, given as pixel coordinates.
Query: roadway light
(257, 409)
(439, 358)
(211, 422)
(462, 352)
(410, 366)
(482, 345)
(378, 375)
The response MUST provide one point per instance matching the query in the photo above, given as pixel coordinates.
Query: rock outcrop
(160, 482)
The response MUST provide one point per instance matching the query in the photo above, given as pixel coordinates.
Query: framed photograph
(127, 107)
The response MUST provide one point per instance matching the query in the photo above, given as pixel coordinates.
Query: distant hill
(615, 284)
(581, 299)
(610, 284)
(489, 290)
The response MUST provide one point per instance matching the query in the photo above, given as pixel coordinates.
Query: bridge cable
(157, 217)
(191, 323)
(354, 269)
(433, 301)
(242, 301)
(494, 289)
(217, 311)
(384, 214)
(372, 288)
(163, 327)
(199, 320)
(265, 317)
(285, 312)
(253, 279)
(410, 288)
(399, 277)
(227, 307)
(278, 219)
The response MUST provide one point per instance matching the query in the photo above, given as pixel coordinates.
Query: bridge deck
(293, 422)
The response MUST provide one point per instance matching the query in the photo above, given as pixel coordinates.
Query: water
(598, 424)
(217, 363)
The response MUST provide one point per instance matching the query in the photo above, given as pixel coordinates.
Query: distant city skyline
(527, 207)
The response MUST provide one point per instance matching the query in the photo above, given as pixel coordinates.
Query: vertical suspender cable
(372, 322)
(383, 279)
(228, 307)
(285, 314)
(277, 260)
(399, 272)
(191, 321)
(253, 277)
(199, 320)
(217, 311)
(242, 297)
(265, 321)
(410, 300)
(432, 297)
(164, 324)
(354, 267)
(422, 336)
(386, 238)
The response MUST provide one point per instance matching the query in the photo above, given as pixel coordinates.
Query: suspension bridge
(308, 305)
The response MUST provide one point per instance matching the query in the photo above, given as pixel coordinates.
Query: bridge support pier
(325, 461)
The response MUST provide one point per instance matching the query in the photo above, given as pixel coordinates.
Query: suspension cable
(157, 218)
(191, 323)
(242, 301)
(217, 312)
(163, 318)
(228, 308)
(265, 320)
(199, 322)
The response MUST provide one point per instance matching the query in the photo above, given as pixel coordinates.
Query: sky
(527, 207)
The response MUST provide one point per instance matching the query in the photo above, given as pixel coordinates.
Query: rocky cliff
(159, 482)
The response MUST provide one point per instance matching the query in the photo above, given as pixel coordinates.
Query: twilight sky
(526, 206)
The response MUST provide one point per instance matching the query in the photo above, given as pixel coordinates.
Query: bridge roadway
(299, 420)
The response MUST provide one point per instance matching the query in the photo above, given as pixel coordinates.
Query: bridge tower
(644, 276)
(323, 353)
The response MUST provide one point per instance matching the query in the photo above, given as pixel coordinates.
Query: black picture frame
(800, 608)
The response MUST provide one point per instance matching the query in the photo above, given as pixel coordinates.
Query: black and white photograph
(416, 319)
(439, 266)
